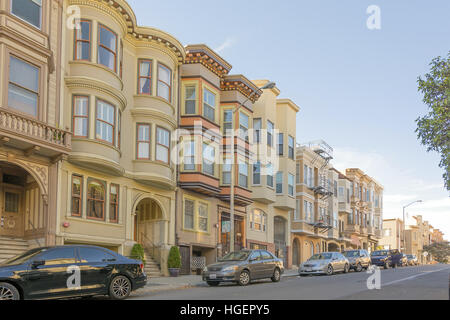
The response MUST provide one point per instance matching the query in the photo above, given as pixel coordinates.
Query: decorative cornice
(125, 15)
(84, 82)
(241, 84)
(148, 112)
(203, 55)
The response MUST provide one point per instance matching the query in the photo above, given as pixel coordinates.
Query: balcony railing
(35, 132)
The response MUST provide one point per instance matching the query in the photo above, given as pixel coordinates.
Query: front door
(11, 220)
(185, 253)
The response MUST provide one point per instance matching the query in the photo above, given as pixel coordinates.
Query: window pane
(163, 137)
(162, 154)
(143, 150)
(83, 50)
(28, 10)
(108, 39)
(257, 173)
(189, 214)
(203, 217)
(11, 202)
(80, 127)
(280, 182)
(84, 33)
(208, 112)
(145, 85)
(190, 100)
(144, 133)
(164, 74)
(24, 74)
(81, 106)
(106, 58)
(22, 100)
(144, 69)
(163, 91)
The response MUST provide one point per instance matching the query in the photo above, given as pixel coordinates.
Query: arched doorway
(150, 227)
(280, 232)
(296, 254)
(23, 209)
(333, 247)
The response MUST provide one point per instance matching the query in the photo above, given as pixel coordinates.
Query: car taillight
(142, 267)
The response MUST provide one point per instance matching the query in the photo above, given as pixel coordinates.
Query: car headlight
(231, 268)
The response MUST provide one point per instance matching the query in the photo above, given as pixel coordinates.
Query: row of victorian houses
(113, 134)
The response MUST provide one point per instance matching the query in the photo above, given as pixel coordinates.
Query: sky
(357, 88)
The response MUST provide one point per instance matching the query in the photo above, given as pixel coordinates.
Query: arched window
(96, 200)
(258, 220)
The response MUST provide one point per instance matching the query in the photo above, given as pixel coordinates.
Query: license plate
(308, 269)
(212, 276)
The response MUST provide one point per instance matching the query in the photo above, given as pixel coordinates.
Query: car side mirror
(38, 263)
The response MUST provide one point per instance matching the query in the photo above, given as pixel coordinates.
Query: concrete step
(13, 250)
(13, 246)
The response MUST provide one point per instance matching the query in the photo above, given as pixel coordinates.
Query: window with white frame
(291, 144)
(28, 10)
(209, 105)
(257, 173)
(279, 182)
(80, 116)
(143, 141)
(257, 126)
(297, 210)
(227, 121)
(203, 217)
(226, 172)
(280, 144)
(269, 171)
(297, 173)
(189, 155)
(258, 220)
(243, 125)
(243, 174)
(209, 154)
(105, 122)
(189, 207)
(162, 145)
(270, 131)
(291, 184)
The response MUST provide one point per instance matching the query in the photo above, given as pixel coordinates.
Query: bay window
(209, 105)
(291, 144)
(162, 145)
(280, 144)
(258, 220)
(83, 41)
(107, 48)
(145, 77)
(243, 175)
(164, 82)
(190, 99)
(257, 126)
(23, 87)
(80, 116)
(28, 10)
(257, 173)
(143, 142)
(189, 155)
(105, 122)
(270, 129)
(269, 170)
(209, 154)
(291, 185)
(243, 125)
(279, 182)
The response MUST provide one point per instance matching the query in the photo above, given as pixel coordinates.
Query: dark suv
(70, 271)
(359, 259)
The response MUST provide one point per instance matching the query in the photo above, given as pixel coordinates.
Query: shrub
(174, 261)
(138, 253)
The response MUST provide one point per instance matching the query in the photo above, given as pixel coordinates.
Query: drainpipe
(177, 174)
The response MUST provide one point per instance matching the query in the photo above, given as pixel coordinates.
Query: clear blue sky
(357, 88)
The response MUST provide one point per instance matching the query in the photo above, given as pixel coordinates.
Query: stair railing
(151, 248)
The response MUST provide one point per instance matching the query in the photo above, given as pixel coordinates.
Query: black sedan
(68, 272)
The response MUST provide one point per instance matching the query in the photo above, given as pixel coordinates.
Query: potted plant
(174, 261)
(138, 253)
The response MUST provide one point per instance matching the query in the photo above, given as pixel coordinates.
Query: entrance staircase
(10, 247)
(152, 269)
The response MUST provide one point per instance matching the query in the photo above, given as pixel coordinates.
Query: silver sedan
(325, 263)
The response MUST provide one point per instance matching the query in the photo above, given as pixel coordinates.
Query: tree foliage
(433, 129)
(439, 251)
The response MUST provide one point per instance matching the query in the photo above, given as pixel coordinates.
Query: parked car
(358, 259)
(381, 258)
(244, 266)
(403, 260)
(412, 260)
(70, 271)
(325, 263)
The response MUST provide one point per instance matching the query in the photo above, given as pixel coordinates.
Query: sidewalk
(191, 281)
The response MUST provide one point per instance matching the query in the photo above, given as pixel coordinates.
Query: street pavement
(429, 282)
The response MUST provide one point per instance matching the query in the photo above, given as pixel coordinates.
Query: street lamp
(269, 85)
(404, 221)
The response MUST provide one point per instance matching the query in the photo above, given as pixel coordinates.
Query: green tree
(434, 129)
(439, 251)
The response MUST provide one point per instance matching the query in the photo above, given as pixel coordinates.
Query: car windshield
(20, 259)
(351, 254)
(410, 256)
(236, 256)
(321, 256)
(380, 253)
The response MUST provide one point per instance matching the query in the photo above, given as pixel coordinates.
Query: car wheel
(120, 288)
(276, 275)
(244, 278)
(213, 283)
(8, 292)
(359, 267)
(330, 270)
(346, 268)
